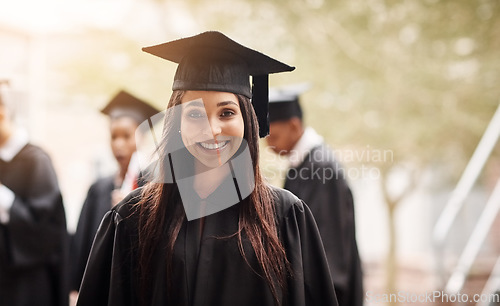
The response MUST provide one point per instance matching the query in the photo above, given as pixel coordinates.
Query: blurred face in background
(123, 140)
(5, 123)
(283, 135)
(3, 115)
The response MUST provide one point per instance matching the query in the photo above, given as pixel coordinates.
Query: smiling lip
(213, 146)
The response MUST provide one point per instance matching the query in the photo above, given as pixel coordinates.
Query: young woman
(166, 244)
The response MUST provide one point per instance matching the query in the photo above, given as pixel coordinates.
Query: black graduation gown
(33, 244)
(210, 272)
(96, 205)
(331, 203)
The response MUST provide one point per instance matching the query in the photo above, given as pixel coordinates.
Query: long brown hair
(161, 214)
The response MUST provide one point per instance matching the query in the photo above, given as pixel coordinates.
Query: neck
(298, 136)
(294, 141)
(206, 182)
(120, 176)
(5, 133)
(123, 172)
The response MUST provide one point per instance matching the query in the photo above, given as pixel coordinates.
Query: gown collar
(309, 140)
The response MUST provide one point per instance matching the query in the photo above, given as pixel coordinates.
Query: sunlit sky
(51, 16)
(56, 16)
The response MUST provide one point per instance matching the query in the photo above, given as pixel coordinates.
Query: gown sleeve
(310, 283)
(96, 205)
(109, 272)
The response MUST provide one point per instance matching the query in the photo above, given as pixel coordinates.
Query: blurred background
(404, 91)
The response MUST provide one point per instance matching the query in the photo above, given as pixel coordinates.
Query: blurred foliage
(96, 64)
(416, 77)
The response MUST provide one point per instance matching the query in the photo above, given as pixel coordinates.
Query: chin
(281, 152)
(213, 162)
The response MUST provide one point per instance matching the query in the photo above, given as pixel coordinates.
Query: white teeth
(213, 146)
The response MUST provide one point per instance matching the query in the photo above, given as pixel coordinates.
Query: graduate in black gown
(33, 237)
(126, 112)
(316, 177)
(207, 229)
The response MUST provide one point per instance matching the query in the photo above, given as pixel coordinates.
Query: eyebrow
(224, 103)
(195, 104)
(220, 104)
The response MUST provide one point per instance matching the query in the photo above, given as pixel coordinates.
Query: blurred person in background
(33, 236)
(125, 113)
(317, 178)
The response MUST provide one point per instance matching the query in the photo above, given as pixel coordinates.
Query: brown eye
(195, 114)
(227, 113)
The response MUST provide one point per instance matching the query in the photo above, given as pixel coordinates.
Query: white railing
(455, 203)
(476, 240)
(492, 285)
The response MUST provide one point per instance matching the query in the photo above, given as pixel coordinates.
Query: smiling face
(212, 126)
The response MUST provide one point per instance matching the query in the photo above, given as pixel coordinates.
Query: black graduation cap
(212, 61)
(125, 104)
(284, 102)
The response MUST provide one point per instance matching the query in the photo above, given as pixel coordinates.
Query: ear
(296, 126)
(3, 112)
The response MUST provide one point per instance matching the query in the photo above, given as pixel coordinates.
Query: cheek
(278, 143)
(189, 129)
(185, 140)
(236, 128)
(131, 143)
(116, 141)
(186, 134)
(275, 137)
(270, 140)
(114, 145)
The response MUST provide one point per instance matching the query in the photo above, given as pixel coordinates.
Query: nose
(118, 143)
(216, 127)
(211, 128)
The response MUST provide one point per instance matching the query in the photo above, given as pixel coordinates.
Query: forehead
(123, 121)
(279, 127)
(209, 97)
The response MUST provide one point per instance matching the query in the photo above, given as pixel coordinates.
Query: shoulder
(127, 208)
(33, 152)
(324, 164)
(285, 201)
(324, 155)
(39, 164)
(106, 182)
(293, 216)
(118, 228)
